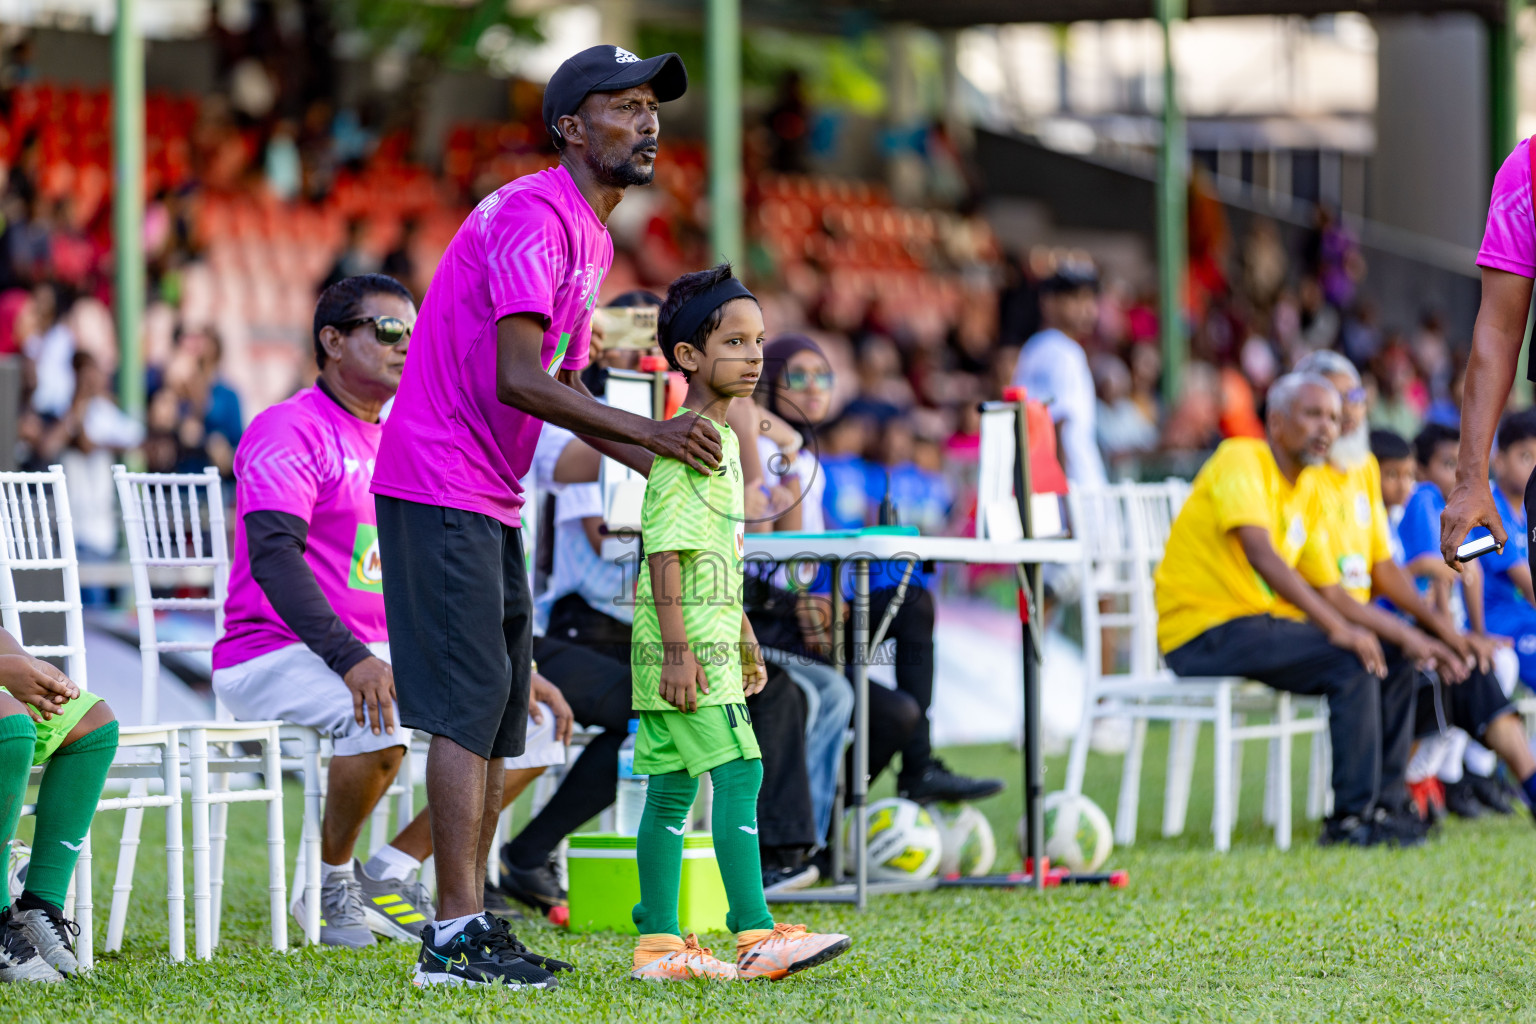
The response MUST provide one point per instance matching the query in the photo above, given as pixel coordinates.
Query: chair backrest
(623, 489)
(997, 510)
(37, 534)
(172, 521)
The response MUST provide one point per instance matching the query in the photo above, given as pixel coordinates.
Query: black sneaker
(537, 887)
(789, 878)
(935, 783)
(549, 963)
(1350, 830)
(1490, 793)
(497, 903)
(1461, 801)
(483, 953)
(1399, 830)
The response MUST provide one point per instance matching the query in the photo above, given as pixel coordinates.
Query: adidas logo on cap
(623, 56)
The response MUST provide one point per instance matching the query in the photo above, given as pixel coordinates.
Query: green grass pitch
(1447, 932)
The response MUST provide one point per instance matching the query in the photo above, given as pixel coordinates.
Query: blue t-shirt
(1501, 598)
(1419, 532)
(844, 502)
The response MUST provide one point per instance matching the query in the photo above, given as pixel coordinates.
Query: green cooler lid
(614, 841)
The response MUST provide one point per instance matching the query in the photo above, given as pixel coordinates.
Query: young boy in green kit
(46, 719)
(695, 659)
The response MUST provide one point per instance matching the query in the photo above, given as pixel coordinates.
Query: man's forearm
(1391, 581)
(1384, 624)
(540, 395)
(1497, 337)
(1287, 583)
(631, 455)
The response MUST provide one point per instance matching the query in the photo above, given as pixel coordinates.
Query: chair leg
(1271, 780)
(1183, 741)
(1077, 761)
(312, 784)
(175, 884)
(1130, 785)
(127, 855)
(1285, 716)
(1238, 720)
(1317, 777)
(218, 835)
(85, 951)
(202, 884)
(405, 803)
(1222, 810)
(277, 857)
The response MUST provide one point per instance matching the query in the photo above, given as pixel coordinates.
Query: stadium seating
(1130, 525)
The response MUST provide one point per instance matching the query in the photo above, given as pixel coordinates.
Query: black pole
(1029, 607)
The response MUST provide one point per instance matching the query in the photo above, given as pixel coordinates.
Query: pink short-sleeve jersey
(533, 246)
(1509, 240)
(312, 459)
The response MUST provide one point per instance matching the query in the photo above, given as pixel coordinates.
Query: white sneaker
(19, 959)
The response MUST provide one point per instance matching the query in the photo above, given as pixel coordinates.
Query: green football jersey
(702, 518)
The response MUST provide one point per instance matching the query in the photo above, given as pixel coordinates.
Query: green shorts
(674, 741)
(52, 733)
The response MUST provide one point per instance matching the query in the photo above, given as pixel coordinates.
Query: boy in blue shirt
(1478, 705)
(1508, 601)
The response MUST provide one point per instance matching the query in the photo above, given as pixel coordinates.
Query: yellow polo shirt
(1205, 579)
(1356, 531)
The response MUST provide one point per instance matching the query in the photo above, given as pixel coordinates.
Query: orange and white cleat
(785, 950)
(669, 958)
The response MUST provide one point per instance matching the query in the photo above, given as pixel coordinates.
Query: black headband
(687, 320)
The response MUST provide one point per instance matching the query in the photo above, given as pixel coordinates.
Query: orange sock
(654, 946)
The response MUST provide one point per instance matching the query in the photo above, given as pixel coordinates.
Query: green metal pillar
(1503, 98)
(722, 59)
(128, 203)
(1172, 200)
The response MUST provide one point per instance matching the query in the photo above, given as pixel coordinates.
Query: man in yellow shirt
(1250, 522)
(1358, 541)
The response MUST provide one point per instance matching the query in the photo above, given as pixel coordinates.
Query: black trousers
(912, 629)
(784, 817)
(1471, 705)
(1297, 657)
(598, 691)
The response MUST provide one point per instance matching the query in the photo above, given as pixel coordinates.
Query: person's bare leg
(355, 785)
(495, 785)
(415, 840)
(1505, 736)
(456, 797)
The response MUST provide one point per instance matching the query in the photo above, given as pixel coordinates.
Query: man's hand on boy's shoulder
(44, 689)
(691, 440)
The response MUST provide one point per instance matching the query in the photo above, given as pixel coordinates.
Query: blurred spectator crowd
(921, 311)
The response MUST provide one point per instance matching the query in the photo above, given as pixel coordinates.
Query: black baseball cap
(609, 69)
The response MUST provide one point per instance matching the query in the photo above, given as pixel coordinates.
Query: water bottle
(630, 803)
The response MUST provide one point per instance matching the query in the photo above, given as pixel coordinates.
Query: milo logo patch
(367, 572)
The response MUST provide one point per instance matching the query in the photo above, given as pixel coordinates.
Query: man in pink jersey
(1508, 261)
(305, 638)
(499, 347)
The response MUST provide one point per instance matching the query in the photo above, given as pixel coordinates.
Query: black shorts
(460, 624)
(1471, 705)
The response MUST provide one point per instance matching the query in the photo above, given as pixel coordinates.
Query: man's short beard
(622, 175)
(1352, 449)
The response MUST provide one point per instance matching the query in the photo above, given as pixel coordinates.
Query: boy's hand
(683, 681)
(37, 684)
(754, 674)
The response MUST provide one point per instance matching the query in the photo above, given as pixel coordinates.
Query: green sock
(18, 738)
(659, 851)
(736, 849)
(66, 803)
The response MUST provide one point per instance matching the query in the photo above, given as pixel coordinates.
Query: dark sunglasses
(799, 380)
(387, 330)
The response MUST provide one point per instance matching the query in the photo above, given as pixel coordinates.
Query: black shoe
(1490, 793)
(549, 963)
(1401, 830)
(789, 879)
(933, 782)
(1461, 801)
(484, 953)
(1350, 830)
(538, 887)
(496, 902)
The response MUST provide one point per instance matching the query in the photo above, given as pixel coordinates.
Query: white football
(967, 846)
(1077, 832)
(904, 843)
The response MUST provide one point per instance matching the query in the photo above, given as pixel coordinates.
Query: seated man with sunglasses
(305, 638)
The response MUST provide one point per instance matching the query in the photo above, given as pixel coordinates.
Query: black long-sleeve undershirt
(275, 543)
